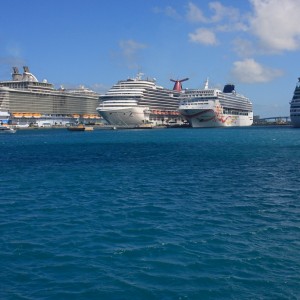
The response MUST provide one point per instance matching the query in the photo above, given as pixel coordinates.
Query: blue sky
(254, 44)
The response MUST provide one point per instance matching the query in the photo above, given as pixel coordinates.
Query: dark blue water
(150, 214)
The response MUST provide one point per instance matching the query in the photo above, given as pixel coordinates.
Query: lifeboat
(27, 115)
(17, 115)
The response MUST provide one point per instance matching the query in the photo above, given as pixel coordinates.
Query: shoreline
(113, 127)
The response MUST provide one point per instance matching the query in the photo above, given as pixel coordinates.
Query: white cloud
(221, 12)
(222, 19)
(276, 24)
(230, 27)
(171, 12)
(168, 11)
(100, 88)
(203, 36)
(244, 48)
(249, 71)
(130, 49)
(195, 14)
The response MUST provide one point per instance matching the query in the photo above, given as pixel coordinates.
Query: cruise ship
(29, 100)
(137, 101)
(4, 117)
(209, 107)
(295, 106)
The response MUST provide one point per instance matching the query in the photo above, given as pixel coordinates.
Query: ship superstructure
(211, 107)
(4, 117)
(26, 98)
(295, 106)
(138, 101)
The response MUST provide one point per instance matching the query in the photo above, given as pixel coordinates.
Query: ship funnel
(178, 84)
(26, 69)
(228, 88)
(16, 76)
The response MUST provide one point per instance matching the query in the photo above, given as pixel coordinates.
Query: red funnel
(177, 85)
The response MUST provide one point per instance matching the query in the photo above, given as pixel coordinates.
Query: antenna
(178, 86)
(206, 84)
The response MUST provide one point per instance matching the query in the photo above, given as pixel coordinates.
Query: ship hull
(213, 117)
(129, 116)
(295, 120)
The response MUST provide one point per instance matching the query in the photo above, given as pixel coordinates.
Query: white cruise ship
(29, 100)
(137, 101)
(215, 108)
(295, 106)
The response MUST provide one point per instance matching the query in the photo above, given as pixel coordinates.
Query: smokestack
(178, 84)
(16, 76)
(26, 69)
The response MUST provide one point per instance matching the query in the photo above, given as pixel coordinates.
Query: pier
(279, 120)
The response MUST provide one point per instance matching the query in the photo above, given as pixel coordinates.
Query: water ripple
(166, 214)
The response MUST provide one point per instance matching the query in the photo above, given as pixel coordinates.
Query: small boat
(6, 129)
(144, 126)
(80, 127)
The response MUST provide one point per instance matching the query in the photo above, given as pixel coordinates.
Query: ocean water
(150, 214)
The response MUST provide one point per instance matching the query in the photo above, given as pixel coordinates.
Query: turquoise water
(150, 214)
